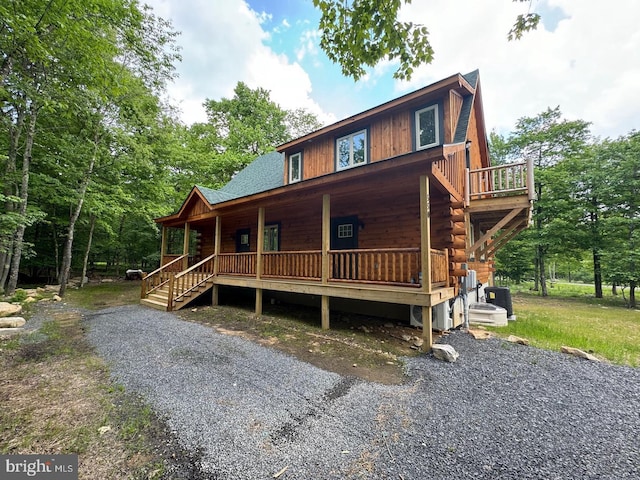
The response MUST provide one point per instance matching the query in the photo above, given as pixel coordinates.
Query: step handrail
(145, 280)
(195, 266)
(173, 281)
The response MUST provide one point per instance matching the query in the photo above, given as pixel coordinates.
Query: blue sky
(584, 58)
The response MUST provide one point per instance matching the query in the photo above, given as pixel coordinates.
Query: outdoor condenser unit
(440, 316)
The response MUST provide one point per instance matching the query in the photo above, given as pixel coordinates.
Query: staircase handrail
(163, 267)
(183, 292)
(195, 266)
(145, 280)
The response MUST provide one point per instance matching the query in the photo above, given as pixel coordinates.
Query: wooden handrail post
(170, 293)
(185, 246)
(530, 179)
(467, 187)
(425, 234)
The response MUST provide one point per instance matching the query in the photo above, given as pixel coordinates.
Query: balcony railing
(500, 181)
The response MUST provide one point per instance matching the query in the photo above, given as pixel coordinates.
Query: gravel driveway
(502, 411)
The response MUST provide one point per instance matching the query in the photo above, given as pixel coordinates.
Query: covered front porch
(375, 250)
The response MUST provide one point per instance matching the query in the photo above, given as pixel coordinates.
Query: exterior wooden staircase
(498, 200)
(169, 289)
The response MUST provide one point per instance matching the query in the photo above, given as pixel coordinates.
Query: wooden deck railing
(160, 277)
(306, 265)
(501, 180)
(386, 266)
(452, 166)
(397, 266)
(237, 263)
(192, 278)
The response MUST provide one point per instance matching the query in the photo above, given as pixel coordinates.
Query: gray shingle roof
(465, 111)
(264, 173)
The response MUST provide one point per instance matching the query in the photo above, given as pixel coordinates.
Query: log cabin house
(396, 205)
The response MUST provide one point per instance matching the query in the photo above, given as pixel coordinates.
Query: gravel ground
(502, 411)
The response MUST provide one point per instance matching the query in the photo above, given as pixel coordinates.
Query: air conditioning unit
(440, 316)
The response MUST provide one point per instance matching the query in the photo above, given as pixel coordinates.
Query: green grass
(572, 316)
(103, 295)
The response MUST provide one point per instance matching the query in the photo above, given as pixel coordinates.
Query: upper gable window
(295, 167)
(352, 150)
(427, 129)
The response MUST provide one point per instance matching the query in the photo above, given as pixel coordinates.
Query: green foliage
(361, 33)
(524, 23)
(364, 32)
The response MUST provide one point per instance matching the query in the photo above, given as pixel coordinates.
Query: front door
(344, 236)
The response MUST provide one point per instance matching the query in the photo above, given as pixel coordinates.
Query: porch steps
(160, 298)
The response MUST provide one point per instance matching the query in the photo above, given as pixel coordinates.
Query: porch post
(163, 245)
(216, 260)
(259, 249)
(425, 258)
(185, 246)
(326, 236)
(326, 243)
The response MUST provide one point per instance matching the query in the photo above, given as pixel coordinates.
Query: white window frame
(295, 157)
(417, 126)
(345, 230)
(350, 138)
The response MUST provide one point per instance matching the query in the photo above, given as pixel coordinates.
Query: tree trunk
(597, 272)
(92, 224)
(24, 195)
(10, 188)
(56, 250)
(632, 294)
(543, 280)
(68, 244)
(614, 289)
(119, 247)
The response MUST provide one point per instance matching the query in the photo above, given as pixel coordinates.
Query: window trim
(350, 136)
(278, 227)
(299, 158)
(416, 124)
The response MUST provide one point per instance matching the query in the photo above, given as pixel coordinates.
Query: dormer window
(427, 129)
(351, 150)
(295, 167)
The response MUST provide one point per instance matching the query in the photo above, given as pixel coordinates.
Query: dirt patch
(370, 348)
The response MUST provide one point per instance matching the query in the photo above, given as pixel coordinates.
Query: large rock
(579, 353)
(444, 352)
(12, 322)
(8, 309)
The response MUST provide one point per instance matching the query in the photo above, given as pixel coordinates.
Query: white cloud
(223, 43)
(588, 65)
